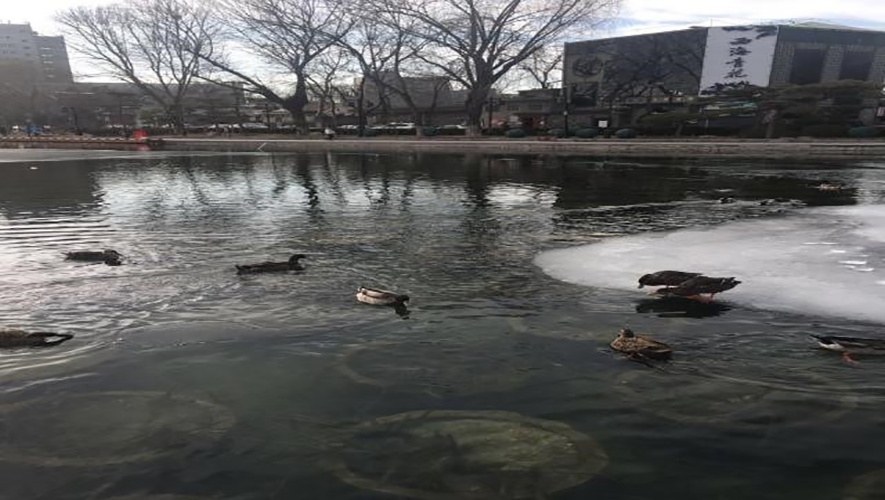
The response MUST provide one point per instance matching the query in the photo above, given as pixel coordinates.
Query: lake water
(186, 381)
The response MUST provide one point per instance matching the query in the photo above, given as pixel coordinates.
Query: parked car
(254, 126)
(401, 126)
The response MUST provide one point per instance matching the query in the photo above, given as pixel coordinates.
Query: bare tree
(477, 42)
(289, 35)
(325, 83)
(383, 51)
(661, 65)
(151, 44)
(544, 67)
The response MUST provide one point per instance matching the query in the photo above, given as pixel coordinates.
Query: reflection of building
(619, 76)
(47, 56)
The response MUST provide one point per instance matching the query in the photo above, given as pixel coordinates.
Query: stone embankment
(775, 149)
(674, 148)
(71, 142)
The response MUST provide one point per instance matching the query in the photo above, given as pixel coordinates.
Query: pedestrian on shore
(329, 133)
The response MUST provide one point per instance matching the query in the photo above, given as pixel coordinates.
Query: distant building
(434, 98)
(46, 57)
(116, 105)
(536, 108)
(621, 76)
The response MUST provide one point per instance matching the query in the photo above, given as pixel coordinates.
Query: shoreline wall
(636, 148)
(836, 149)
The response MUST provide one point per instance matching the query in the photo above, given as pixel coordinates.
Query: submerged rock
(105, 428)
(441, 455)
(869, 486)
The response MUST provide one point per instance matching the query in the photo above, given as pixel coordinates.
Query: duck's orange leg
(700, 298)
(846, 357)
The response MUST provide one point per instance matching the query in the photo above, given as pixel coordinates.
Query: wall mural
(737, 55)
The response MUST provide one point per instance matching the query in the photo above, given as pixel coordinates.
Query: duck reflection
(679, 307)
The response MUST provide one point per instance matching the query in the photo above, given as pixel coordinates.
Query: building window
(856, 65)
(808, 65)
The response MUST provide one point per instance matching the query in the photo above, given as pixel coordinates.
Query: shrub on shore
(587, 133)
(864, 132)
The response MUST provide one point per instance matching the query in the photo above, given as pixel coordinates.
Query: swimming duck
(377, 297)
(17, 338)
(699, 285)
(781, 201)
(109, 257)
(666, 278)
(273, 267)
(829, 186)
(847, 346)
(635, 346)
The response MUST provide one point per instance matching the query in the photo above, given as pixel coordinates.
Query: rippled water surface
(186, 381)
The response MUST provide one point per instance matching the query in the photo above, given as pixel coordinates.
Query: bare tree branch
(150, 44)
(289, 35)
(477, 42)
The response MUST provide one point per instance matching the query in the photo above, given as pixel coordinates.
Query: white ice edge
(794, 263)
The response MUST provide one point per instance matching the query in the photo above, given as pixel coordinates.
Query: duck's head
(626, 333)
(403, 299)
(828, 343)
(295, 258)
(112, 258)
(644, 280)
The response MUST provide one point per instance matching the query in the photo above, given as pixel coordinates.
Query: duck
(273, 267)
(700, 285)
(377, 297)
(847, 346)
(640, 347)
(109, 257)
(666, 278)
(781, 201)
(10, 337)
(829, 186)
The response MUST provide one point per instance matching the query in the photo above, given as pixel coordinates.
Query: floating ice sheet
(795, 263)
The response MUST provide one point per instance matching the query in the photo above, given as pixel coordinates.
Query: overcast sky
(638, 16)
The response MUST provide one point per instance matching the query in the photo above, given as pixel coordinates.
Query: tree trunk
(176, 115)
(294, 104)
(477, 99)
(361, 109)
(418, 120)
